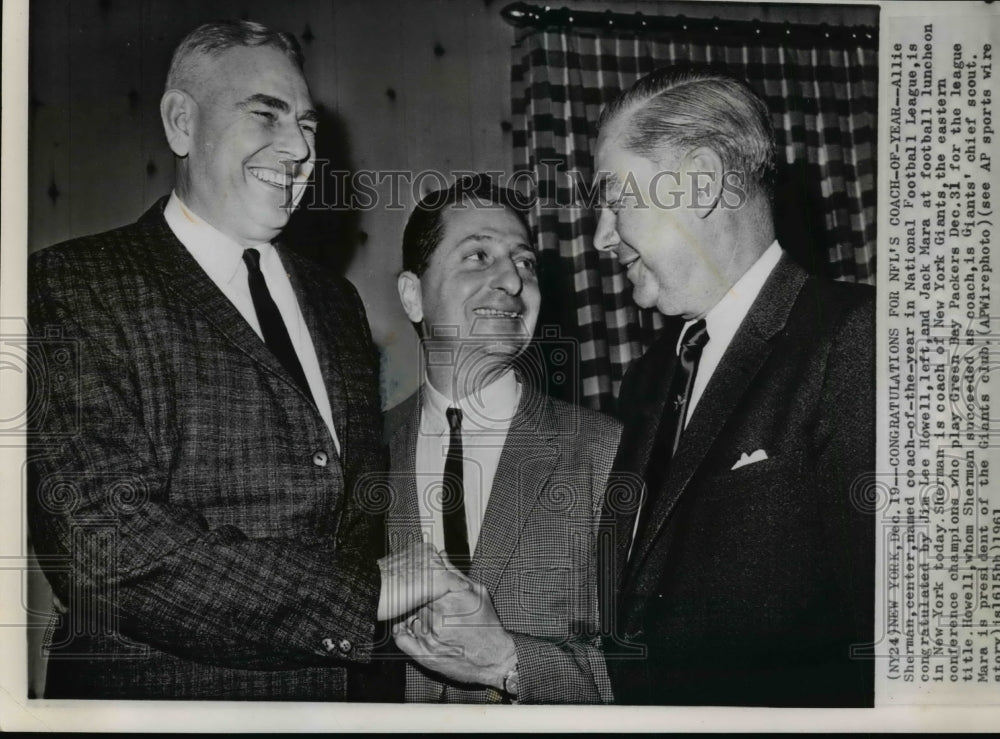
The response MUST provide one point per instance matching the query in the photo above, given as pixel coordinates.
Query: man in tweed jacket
(193, 495)
(534, 470)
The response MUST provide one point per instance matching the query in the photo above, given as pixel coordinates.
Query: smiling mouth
(495, 313)
(270, 177)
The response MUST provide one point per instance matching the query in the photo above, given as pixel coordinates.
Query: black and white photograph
(484, 352)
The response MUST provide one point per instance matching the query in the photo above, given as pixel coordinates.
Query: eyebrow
(480, 237)
(278, 104)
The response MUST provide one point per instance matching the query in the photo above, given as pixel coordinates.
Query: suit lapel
(656, 391)
(404, 511)
(529, 456)
(747, 352)
(186, 278)
(635, 451)
(319, 317)
(405, 528)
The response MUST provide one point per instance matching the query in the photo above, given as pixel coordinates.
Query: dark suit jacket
(188, 505)
(752, 586)
(535, 553)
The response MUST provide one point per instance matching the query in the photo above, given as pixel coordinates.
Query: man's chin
(497, 351)
(270, 226)
(643, 299)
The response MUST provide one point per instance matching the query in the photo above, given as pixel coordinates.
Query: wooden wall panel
(105, 111)
(489, 40)
(371, 52)
(49, 126)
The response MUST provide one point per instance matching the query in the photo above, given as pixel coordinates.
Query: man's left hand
(460, 637)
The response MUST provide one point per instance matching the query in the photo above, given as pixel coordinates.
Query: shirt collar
(725, 317)
(491, 407)
(219, 255)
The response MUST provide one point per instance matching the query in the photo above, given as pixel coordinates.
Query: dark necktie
(456, 534)
(668, 436)
(271, 326)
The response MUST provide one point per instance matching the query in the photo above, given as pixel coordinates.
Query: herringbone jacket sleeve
(573, 670)
(169, 477)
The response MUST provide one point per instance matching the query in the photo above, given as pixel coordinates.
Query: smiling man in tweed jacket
(193, 482)
(504, 479)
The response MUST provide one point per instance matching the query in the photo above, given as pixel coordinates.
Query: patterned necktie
(693, 342)
(456, 533)
(668, 436)
(275, 334)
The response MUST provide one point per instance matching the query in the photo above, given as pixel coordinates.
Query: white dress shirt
(486, 417)
(222, 259)
(724, 319)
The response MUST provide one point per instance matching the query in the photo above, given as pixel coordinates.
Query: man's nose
(606, 236)
(293, 142)
(507, 278)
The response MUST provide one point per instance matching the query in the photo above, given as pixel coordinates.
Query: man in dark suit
(743, 573)
(193, 483)
(506, 480)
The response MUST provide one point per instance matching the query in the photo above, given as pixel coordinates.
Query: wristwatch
(510, 682)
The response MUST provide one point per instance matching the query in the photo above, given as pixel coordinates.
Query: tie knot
(454, 416)
(252, 259)
(695, 336)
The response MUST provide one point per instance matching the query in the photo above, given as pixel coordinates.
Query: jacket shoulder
(396, 419)
(106, 246)
(838, 296)
(585, 424)
(319, 272)
(842, 310)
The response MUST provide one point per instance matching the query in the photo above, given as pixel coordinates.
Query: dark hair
(211, 39)
(686, 106)
(425, 224)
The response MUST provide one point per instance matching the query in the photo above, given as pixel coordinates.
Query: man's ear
(703, 173)
(408, 287)
(177, 113)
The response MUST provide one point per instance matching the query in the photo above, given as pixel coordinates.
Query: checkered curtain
(823, 103)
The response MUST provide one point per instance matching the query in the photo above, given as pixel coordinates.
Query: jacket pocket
(781, 471)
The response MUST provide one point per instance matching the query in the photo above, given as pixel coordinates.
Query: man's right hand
(415, 576)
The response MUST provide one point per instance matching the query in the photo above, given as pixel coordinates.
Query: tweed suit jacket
(535, 553)
(751, 586)
(188, 503)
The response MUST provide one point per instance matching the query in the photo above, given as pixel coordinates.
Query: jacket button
(328, 645)
(345, 646)
(320, 459)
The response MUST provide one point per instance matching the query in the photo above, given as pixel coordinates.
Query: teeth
(494, 313)
(270, 177)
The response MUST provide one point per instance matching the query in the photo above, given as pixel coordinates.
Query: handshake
(443, 620)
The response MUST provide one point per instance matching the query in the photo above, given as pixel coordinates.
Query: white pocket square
(758, 456)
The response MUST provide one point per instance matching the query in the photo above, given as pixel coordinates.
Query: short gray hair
(687, 107)
(211, 39)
